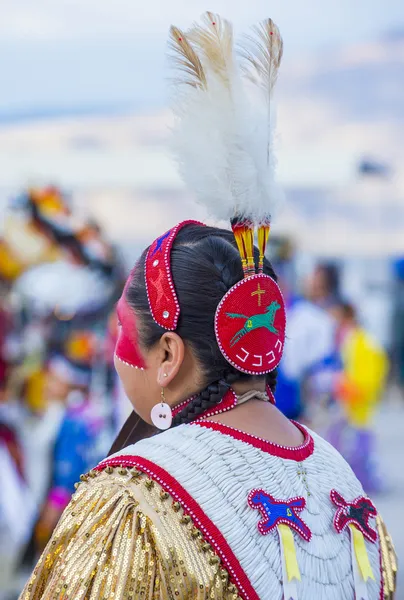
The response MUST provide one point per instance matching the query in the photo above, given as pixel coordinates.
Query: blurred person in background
(322, 288)
(359, 389)
(397, 333)
(304, 380)
(76, 445)
(231, 499)
(5, 327)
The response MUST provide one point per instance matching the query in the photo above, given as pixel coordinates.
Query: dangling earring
(161, 414)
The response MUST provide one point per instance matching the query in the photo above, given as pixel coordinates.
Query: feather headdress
(222, 141)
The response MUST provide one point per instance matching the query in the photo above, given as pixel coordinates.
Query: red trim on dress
(193, 509)
(297, 453)
(270, 394)
(228, 402)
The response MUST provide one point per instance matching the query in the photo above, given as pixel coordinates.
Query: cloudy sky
(111, 52)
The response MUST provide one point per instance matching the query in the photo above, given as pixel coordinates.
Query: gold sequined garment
(123, 537)
(389, 561)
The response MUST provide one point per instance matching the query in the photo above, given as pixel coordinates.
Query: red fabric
(358, 512)
(250, 325)
(211, 533)
(381, 573)
(228, 402)
(163, 300)
(270, 395)
(298, 453)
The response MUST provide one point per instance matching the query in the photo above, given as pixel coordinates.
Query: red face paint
(127, 346)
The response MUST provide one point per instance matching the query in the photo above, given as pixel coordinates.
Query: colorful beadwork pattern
(250, 325)
(358, 512)
(163, 301)
(279, 511)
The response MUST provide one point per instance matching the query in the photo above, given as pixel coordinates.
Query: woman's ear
(171, 356)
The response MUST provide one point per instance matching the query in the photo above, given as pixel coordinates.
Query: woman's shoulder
(116, 536)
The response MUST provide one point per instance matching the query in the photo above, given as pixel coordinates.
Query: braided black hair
(205, 264)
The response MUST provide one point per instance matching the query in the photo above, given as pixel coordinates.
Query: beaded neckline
(228, 402)
(297, 453)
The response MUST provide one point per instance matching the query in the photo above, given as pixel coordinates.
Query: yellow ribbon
(361, 553)
(289, 550)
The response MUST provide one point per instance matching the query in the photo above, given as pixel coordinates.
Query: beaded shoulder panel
(219, 470)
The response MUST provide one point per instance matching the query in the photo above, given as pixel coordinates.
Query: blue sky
(111, 52)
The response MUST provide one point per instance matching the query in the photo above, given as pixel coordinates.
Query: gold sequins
(185, 520)
(107, 546)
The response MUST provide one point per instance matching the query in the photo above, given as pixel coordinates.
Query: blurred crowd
(60, 402)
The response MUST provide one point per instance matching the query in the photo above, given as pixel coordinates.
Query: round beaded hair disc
(250, 325)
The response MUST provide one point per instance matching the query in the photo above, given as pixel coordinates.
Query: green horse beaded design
(266, 320)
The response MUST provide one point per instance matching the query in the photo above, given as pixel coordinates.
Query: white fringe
(219, 472)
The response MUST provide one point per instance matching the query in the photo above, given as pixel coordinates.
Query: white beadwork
(220, 471)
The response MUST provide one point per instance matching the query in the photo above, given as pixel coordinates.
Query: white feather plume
(222, 143)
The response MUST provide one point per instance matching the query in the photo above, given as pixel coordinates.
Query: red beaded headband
(163, 301)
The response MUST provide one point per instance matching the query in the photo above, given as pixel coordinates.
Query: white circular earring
(161, 414)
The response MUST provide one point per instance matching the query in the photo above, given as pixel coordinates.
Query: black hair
(205, 264)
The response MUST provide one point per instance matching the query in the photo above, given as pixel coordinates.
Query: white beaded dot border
(128, 364)
(217, 333)
(308, 438)
(342, 508)
(167, 267)
(280, 520)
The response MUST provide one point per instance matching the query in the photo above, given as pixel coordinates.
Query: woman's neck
(241, 387)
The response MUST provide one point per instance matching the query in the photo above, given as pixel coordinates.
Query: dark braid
(208, 398)
(271, 380)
